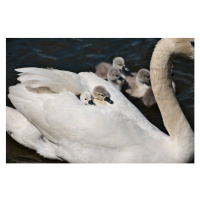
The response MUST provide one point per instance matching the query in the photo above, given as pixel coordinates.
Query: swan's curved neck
(160, 72)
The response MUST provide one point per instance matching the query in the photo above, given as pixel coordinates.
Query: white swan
(111, 133)
(118, 63)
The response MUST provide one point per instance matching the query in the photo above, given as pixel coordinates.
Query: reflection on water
(79, 55)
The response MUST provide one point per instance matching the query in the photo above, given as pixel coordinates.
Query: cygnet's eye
(117, 75)
(148, 77)
(101, 95)
(85, 99)
(192, 43)
(120, 64)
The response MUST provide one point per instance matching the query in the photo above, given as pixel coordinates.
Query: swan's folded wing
(56, 80)
(60, 117)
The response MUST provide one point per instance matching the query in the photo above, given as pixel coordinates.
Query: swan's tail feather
(21, 130)
(56, 80)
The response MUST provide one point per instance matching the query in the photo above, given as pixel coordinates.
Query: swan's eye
(117, 75)
(148, 77)
(120, 64)
(192, 43)
(101, 95)
(85, 99)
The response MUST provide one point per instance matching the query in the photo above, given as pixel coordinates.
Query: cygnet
(118, 63)
(100, 95)
(138, 83)
(113, 76)
(86, 98)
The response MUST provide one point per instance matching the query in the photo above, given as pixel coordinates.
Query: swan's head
(100, 93)
(114, 75)
(143, 76)
(86, 98)
(119, 63)
(183, 47)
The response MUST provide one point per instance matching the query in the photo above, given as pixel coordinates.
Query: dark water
(79, 55)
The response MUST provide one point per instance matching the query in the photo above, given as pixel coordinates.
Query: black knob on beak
(91, 102)
(122, 79)
(126, 69)
(108, 100)
(192, 43)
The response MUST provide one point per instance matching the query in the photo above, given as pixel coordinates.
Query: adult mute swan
(112, 133)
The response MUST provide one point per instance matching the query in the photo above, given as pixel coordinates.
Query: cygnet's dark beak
(122, 79)
(149, 82)
(108, 100)
(91, 102)
(125, 69)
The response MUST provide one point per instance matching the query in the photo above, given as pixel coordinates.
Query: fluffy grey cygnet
(101, 94)
(103, 67)
(113, 76)
(138, 83)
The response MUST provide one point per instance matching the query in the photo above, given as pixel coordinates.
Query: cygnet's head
(114, 75)
(86, 98)
(143, 76)
(100, 93)
(119, 63)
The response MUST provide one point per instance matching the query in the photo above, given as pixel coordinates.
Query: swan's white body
(105, 133)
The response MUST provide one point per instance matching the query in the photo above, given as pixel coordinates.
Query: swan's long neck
(173, 117)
